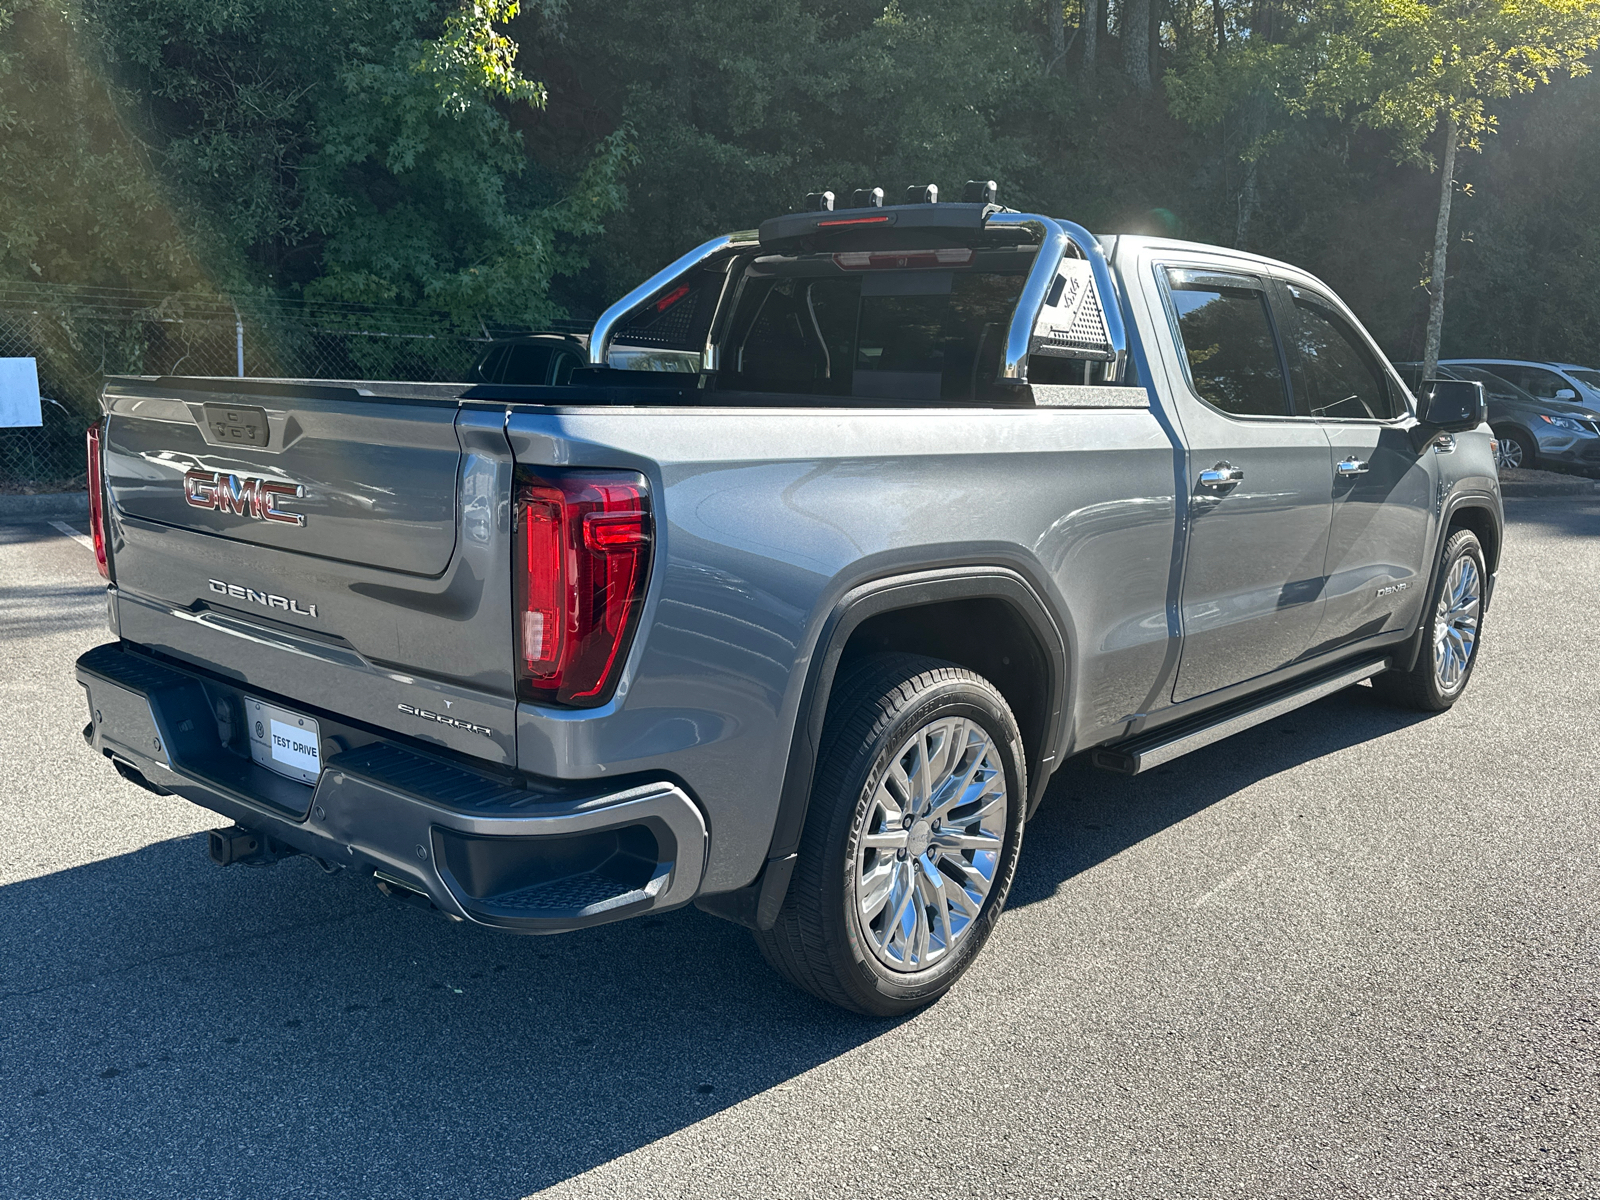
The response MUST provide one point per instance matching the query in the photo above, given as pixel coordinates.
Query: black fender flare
(757, 904)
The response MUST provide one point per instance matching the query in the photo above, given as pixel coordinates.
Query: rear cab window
(920, 326)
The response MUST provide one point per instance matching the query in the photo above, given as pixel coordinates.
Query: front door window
(1339, 378)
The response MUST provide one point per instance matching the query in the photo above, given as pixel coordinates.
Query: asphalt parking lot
(1350, 953)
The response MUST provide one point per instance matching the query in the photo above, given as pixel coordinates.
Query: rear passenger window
(1339, 376)
(1228, 344)
(1543, 384)
(528, 364)
(489, 370)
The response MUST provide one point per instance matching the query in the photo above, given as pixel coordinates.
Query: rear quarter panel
(765, 518)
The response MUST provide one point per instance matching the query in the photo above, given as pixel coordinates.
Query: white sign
(19, 392)
(295, 747)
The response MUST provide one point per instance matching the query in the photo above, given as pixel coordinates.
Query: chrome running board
(1165, 744)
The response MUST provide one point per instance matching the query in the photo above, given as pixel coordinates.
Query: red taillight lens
(97, 511)
(582, 561)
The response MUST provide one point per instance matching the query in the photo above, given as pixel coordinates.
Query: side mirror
(1565, 394)
(1452, 406)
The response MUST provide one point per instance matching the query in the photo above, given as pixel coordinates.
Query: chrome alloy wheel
(1507, 453)
(931, 843)
(1455, 630)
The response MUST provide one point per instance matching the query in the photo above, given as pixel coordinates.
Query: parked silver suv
(1543, 380)
(1529, 432)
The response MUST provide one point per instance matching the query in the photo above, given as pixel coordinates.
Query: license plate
(284, 742)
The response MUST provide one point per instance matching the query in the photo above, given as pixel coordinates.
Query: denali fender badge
(266, 599)
(1393, 588)
(409, 710)
(242, 494)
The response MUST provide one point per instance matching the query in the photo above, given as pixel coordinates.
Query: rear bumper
(522, 855)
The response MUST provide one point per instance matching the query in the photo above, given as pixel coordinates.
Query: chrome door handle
(1222, 475)
(1351, 466)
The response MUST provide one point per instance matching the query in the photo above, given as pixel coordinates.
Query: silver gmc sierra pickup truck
(855, 528)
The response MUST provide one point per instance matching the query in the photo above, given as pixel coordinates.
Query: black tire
(819, 942)
(1421, 688)
(1526, 451)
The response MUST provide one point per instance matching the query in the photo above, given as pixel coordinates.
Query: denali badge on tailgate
(242, 494)
(263, 598)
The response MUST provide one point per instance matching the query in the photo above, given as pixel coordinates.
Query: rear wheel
(911, 837)
(1454, 620)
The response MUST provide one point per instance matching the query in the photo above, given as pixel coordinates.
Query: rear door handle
(1222, 475)
(1351, 466)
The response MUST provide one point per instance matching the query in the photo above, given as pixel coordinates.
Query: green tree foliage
(1414, 68)
(1527, 261)
(342, 151)
(740, 107)
(404, 154)
(77, 198)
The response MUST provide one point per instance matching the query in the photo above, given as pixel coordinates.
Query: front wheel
(1513, 449)
(1450, 639)
(910, 840)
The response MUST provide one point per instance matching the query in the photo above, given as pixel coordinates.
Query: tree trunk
(1058, 36)
(1219, 24)
(1154, 40)
(1248, 202)
(1441, 246)
(1135, 25)
(1091, 35)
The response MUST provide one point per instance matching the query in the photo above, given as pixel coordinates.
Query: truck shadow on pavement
(175, 1029)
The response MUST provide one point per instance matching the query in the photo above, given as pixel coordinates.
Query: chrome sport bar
(1055, 236)
(600, 338)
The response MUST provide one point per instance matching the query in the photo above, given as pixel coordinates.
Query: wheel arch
(1523, 432)
(927, 612)
(1481, 515)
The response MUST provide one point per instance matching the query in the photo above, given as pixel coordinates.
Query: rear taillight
(581, 562)
(97, 510)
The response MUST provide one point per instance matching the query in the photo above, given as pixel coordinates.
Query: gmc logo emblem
(254, 498)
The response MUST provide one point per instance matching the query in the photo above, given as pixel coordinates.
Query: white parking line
(68, 531)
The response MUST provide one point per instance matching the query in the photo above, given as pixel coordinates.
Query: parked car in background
(1529, 432)
(1545, 380)
(533, 360)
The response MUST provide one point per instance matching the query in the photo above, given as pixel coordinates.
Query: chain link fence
(81, 335)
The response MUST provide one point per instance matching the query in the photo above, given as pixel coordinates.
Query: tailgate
(345, 551)
(377, 477)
